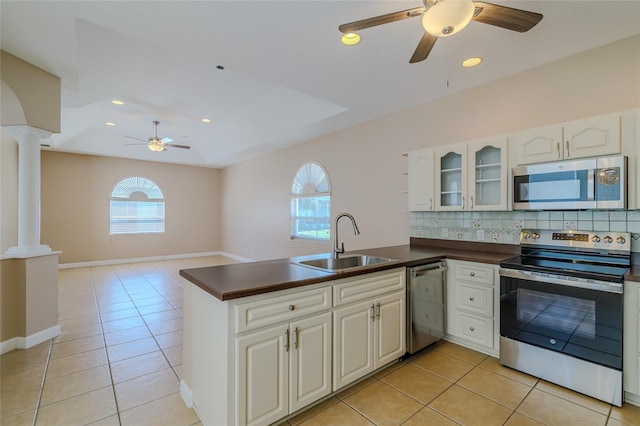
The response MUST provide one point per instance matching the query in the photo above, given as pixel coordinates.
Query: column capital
(28, 130)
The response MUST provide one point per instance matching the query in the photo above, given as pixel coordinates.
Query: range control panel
(606, 240)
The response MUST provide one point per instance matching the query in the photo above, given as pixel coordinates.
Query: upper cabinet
(472, 176)
(591, 137)
(421, 189)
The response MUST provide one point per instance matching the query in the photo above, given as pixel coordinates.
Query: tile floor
(118, 361)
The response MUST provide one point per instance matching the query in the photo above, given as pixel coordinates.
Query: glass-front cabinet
(451, 177)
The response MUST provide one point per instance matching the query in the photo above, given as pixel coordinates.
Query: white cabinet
(472, 176)
(631, 339)
(368, 325)
(591, 137)
(421, 188)
(472, 305)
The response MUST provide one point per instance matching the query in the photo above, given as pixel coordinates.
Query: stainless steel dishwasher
(425, 305)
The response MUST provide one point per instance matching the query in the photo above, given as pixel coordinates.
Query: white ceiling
(287, 78)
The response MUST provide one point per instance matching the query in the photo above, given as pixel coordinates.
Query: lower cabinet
(282, 369)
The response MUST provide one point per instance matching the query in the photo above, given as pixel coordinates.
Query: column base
(33, 251)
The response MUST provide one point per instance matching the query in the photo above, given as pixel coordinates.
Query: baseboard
(29, 341)
(186, 394)
(632, 398)
(150, 259)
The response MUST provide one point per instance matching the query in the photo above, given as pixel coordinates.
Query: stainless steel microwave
(592, 183)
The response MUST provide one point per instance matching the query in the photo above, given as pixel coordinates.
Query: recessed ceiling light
(109, 123)
(350, 39)
(117, 102)
(471, 62)
(206, 120)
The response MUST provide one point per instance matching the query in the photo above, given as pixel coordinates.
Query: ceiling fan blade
(505, 17)
(171, 145)
(424, 48)
(138, 139)
(379, 20)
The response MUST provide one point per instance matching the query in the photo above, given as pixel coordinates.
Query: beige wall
(9, 191)
(75, 208)
(365, 165)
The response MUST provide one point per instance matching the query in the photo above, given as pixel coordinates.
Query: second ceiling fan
(442, 18)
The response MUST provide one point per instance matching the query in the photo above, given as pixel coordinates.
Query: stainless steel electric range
(561, 309)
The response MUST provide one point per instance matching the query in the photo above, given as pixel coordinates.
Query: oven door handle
(563, 280)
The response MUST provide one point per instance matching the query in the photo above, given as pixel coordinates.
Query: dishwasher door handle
(424, 271)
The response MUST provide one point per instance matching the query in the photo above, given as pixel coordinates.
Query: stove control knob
(526, 235)
(595, 239)
(608, 239)
(620, 240)
(536, 236)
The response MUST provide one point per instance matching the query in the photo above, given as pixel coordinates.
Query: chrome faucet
(340, 248)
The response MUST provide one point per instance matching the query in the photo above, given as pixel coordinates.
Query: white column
(28, 192)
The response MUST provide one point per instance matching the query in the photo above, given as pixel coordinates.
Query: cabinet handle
(373, 312)
(471, 202)
(430, 203)
(286, 340)
(472, 329)
(295, 338)
(472, 274)
(462, 203)
(557, 149)
(292, 308)
(472, 298)
(378, 314)
(567, 148)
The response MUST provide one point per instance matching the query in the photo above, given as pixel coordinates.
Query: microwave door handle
(591, 185)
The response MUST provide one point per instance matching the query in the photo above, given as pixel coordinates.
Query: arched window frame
(311, 203)
(136, 206)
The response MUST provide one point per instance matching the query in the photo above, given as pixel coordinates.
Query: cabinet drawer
(474, 273)
(371, 285)
(474, 298)
(284, 308)
(475, 329)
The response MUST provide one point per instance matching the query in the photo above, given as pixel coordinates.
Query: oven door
(585, 323)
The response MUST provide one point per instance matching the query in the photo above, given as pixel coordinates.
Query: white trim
(151, 259)
(632, 398)
(186, 393)
(29, 341)
(9, 255)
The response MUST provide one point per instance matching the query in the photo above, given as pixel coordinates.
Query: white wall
(365, 163)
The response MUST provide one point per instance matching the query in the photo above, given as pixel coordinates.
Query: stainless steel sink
(327, 262)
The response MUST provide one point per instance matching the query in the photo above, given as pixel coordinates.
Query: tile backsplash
(504, 227)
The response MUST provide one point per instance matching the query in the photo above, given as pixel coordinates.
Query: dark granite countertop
(227, 282)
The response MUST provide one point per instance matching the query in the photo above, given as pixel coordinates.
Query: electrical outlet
(444, 232)
(518, 224)
(480, 235)
(570, 224)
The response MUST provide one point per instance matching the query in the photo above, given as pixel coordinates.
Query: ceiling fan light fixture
(156, 146)
(447, 17)
(350, 39)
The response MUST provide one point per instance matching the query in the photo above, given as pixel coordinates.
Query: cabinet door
(592, 137)
(390, 338)
(451, 177)
(262, 383)
(538, 145)
(352, 343)
(421, 185)
(487, 175)
(310, 358)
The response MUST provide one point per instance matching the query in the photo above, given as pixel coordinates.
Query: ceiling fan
(442, 18)
(156, 144)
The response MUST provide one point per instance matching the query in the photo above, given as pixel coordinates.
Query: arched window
(311, 203)
(137, 207)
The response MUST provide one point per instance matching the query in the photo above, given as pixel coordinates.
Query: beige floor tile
(427, 416)
(178, 369)
(383, 404)
(145, 389)
(73, 347)
(628, 413)
(23, 357)
(119, 314)
(19, 400)
(388, 370)
(68, 333)
(131, 349)
(165, 326)
(79, 362)
(58, 388)
(307, 414)
(156, 307)
(469, 409)
(553, 410)
(460, 352)
(122, 303)
(109, 421)
(29, 375)
(417, 383)
(24, 419)
(161, 316)
(128, 335)
(443, 365)
(495, 387)
(131, 368)
(578, 398)
(518, 419)
(71, 313)
(167, 411)
(174, 355)
(148, 299)
(122, 324)
(493, 364)
(169, 340)
(355, 388)
(339, 414)
(80, 321)
(79, 410)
